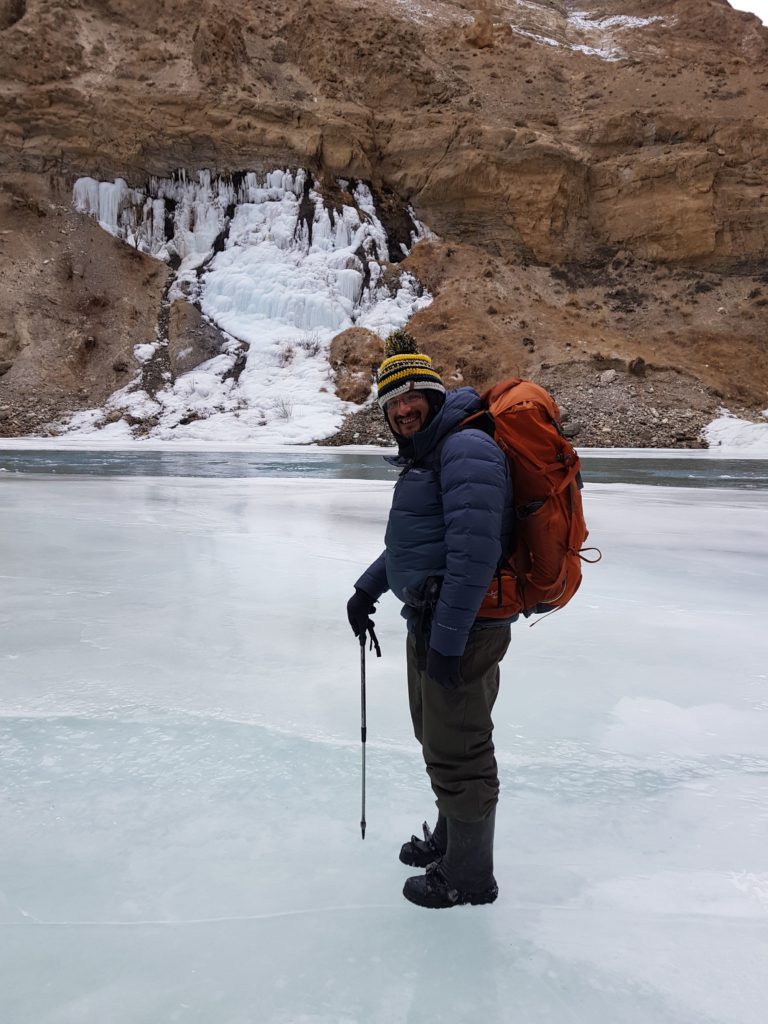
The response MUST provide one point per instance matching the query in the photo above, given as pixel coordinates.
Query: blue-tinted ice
(180, 769)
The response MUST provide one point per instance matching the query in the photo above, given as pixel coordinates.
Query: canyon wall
(598, 180)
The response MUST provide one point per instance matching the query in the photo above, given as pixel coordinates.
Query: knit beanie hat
(404, 368)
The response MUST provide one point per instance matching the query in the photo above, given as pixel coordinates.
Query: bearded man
(450, 521)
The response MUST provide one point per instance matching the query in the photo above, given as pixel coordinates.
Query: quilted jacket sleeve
(374, 580)
(475, 486)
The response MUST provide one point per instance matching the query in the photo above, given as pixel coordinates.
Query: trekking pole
(363, 725)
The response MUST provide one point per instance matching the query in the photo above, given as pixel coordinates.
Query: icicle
(276, 180)
(110, 197)
(250, 185)
(321, 230)
(157, 239)
(85, 195)
(350, 284)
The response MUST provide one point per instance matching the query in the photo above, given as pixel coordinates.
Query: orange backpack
(543, 572)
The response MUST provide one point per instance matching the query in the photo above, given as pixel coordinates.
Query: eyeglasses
(408, 399)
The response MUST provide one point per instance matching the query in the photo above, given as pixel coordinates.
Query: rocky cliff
(597, 180)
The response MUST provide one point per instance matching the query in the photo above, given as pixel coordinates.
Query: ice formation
(279, 272)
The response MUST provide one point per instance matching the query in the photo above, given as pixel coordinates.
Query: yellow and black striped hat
(405, 368)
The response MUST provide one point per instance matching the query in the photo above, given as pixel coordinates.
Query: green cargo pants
(455, 729)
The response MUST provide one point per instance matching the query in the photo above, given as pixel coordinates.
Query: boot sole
(475, 900)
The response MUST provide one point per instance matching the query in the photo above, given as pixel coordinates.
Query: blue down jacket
(448, 523)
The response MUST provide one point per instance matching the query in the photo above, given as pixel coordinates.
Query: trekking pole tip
(362, 829)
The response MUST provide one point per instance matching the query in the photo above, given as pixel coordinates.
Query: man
(450, 520)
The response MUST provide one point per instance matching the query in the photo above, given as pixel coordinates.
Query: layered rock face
(597, 179)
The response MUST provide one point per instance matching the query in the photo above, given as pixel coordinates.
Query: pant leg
(455, 727)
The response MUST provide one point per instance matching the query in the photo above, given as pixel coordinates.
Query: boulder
(354, 355)
(191, 339)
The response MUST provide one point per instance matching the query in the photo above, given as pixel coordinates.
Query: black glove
(444, 669)
(360, 607)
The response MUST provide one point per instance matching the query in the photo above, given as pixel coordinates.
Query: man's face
(407, 413)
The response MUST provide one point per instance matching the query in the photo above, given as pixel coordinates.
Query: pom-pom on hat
(404, 368)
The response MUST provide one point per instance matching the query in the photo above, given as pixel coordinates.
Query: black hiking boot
(434, 891)
(420, 852)
(465, 873)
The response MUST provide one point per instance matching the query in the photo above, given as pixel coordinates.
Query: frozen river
(180, 765)
(679, 469)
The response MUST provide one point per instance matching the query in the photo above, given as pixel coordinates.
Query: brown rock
(637, 367)
(67, 320)
(354, 355)
(191, 339)
(480, 32)
(11, 11)
(218, 48)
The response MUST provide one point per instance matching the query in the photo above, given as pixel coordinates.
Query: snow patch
(586, 22)
(544, 40)
(604, 29)
(143, 353)
(423, 15)
(728, 431)
(599, 31)
(420, 231)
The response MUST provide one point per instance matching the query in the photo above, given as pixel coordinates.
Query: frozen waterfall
(280, 271)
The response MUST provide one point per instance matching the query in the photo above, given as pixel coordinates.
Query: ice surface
(180, 778)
